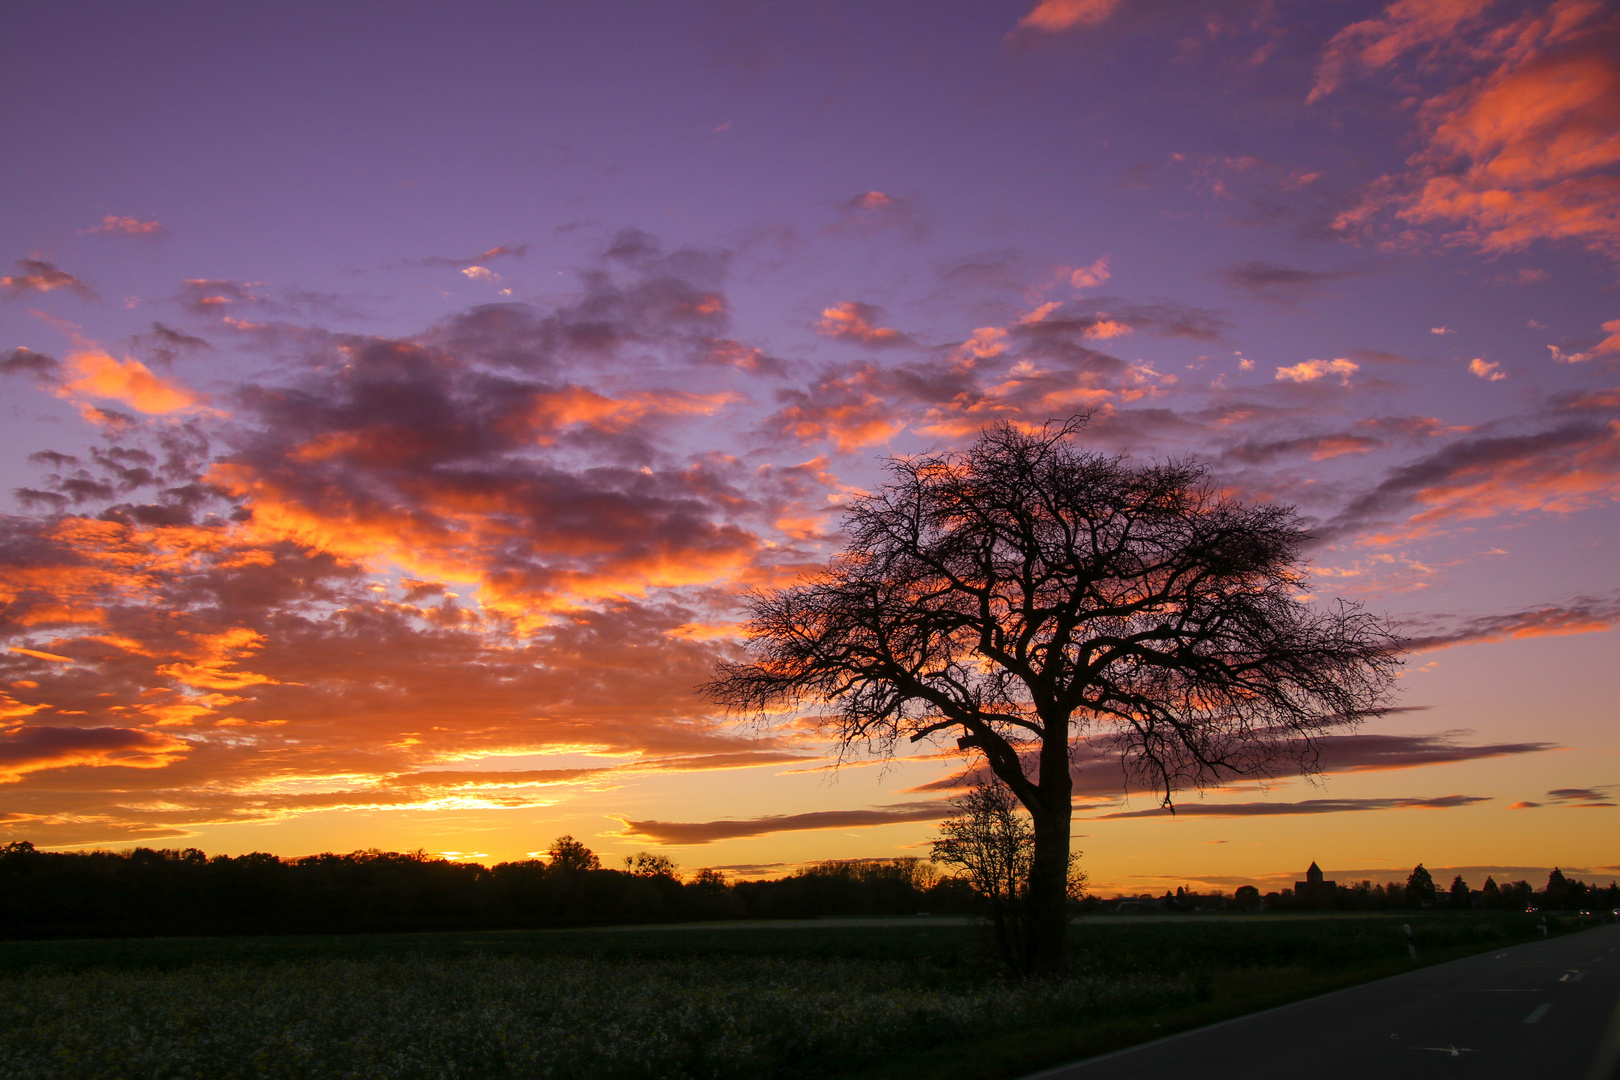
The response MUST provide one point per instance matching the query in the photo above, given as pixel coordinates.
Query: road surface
(1527, 1011)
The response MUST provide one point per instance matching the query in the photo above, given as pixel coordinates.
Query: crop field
(822, 999)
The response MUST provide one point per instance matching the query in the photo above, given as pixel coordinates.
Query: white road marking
(1538, 1012)
(1454, 1051)
(1572, 976)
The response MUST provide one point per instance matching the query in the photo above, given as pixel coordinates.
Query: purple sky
(422, 382)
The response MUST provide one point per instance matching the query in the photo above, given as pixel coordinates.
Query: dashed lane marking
(1538, 1012)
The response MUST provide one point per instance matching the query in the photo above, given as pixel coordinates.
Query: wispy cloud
(1585, 615)
(41, 276)
(126, 226)
(499, 251)
(707, 832)
(1304, 806)
(1275, 283)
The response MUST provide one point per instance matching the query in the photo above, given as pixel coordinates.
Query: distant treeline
(159, 892)
(147, 891)
(1418, 892)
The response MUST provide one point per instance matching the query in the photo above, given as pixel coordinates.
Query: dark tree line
(147, 891)
(1418, 892)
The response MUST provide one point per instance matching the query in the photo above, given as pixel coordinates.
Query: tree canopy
(1024, 594)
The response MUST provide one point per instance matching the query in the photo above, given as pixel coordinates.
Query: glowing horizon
(400, 400)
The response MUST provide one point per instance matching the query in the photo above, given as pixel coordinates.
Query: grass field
(908, 998)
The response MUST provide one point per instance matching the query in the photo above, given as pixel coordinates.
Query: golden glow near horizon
(387, 477)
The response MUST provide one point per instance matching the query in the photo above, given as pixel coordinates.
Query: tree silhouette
(570, 856)
(1420, 888)
(992, 847)
(1025, 593)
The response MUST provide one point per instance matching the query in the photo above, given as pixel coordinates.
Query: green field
(869, 998)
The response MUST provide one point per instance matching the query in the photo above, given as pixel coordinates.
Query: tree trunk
(1048, 898)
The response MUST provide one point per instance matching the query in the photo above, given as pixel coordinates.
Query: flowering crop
(425, 1017)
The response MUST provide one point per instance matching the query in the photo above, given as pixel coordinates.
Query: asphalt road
(1527, 1011)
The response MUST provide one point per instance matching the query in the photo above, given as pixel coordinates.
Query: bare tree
(992, 847)
(1025, 594)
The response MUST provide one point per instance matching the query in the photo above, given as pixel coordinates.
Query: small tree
(992, 847)
(1024, 594)
(1459, 892)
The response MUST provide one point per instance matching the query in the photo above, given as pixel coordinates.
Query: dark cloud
(163, 344)
(31, 748)
(1316, 447)
(40, 276)
(1583, 615)
(214, 297)
(874, 212)
(1371, 753)
(707, 832)
(1481, 475)
(1163, 318)
(1597, 798)
(21, 361)
(499, 251)
(1304, 806)
(1275, 283)
(668, 305)
(1099, 775)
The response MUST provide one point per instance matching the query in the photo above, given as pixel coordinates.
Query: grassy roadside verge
(1231, 993)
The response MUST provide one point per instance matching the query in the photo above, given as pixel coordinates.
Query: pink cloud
(126, 226)
(1609, 346)
(1055, 16)
(1525, 152)
(1376, 43)
(853, 321)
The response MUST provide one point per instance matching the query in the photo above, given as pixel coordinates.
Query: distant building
(1313, 888)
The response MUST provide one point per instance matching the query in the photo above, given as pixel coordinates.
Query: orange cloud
(1311, 370)
(1108, 328)
(1489, 371)
(39, 655)
(1055, 16)
(1088, 277)
(1524, 153)
(33, 748)
(1376, 43)
(92, 373)
(1607, 347)
(852, 321)
(210, 664)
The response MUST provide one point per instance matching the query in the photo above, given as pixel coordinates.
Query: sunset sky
(398, 396)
